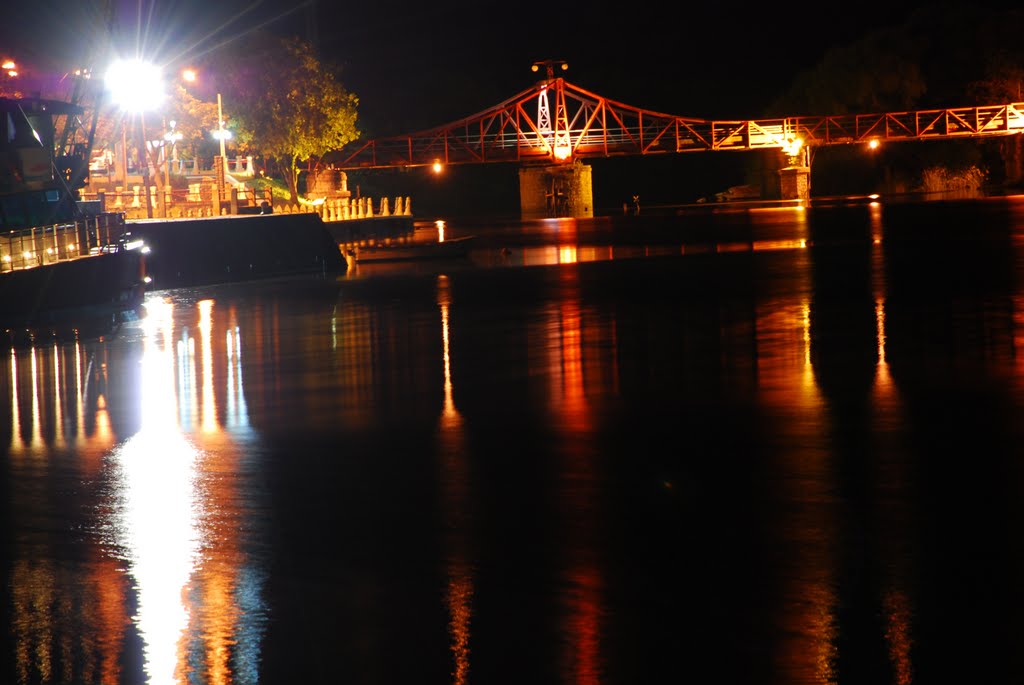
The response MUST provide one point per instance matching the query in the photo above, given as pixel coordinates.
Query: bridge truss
(586, 125)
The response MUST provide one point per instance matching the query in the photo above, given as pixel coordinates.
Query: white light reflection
(15, 409)
(58, 404)
(37, 427)
(237, 411)
(79, 392)
(158, 518)
(186, 349)
(209, 407)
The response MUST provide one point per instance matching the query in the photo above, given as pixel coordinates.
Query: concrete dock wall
(201, 251)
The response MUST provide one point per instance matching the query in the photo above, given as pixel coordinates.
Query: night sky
(415, 65)
(418, 65)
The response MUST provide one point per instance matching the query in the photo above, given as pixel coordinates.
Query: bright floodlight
(135, 85)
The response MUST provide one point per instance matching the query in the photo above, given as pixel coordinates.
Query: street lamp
(222, 134)
(136, 86)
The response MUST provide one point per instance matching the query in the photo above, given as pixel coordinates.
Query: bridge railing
(594, 126)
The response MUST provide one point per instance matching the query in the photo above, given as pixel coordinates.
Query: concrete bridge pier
(795, 183)
(559, 190)
(794, 174)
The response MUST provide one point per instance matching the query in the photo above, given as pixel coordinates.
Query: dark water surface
(756, 446)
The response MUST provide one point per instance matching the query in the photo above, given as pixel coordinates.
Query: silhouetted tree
(945, 55)
(291, 107)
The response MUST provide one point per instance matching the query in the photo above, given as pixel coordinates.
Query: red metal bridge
(556, 122)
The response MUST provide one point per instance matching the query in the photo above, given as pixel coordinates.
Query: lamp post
(136, 86)
(124, 150)
(221, 134)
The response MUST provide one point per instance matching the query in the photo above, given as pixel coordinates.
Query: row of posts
(340, 209)
(362, 208)
(193, 206)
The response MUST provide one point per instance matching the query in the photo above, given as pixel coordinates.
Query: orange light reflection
(456, 503)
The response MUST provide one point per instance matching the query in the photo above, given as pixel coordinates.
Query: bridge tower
(563, 187)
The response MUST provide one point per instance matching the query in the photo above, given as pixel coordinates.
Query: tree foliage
(193, 119)
(291, 107)
(945, 55)
(879, 73)
(942, 56)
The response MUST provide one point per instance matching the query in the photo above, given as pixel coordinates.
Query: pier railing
(41, 245)
(206, 201)
(198, 200)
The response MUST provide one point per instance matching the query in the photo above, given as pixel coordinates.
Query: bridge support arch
(562, 190)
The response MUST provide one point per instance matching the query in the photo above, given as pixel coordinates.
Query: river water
(734, 446)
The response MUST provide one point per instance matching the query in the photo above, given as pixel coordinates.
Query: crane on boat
(76, 132)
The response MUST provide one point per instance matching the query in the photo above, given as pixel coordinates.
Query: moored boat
(443, 249)
(63, 270)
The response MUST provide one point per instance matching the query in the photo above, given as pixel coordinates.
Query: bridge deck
(530, 128)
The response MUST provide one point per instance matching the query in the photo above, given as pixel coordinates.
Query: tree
(941, 56)
(878, 73)
(193, 119)
(291, 105)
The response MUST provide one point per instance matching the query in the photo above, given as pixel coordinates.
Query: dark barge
(63, 272)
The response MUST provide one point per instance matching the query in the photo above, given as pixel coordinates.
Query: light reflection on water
(176, 521)
(170, 563)
(454, 478)
(632, 469)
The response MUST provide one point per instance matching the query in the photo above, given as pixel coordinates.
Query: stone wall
(556, 190)
(328, 184)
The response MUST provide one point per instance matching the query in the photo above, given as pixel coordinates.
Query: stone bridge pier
(794, 175)
(557, 190)
(566, 190)
(795, 183)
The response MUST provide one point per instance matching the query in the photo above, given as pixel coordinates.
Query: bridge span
(551, 128)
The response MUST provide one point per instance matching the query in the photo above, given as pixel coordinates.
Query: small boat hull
(448, 249)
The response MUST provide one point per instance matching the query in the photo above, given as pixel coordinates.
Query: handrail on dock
(27, 248)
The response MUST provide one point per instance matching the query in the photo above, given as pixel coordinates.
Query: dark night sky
(417, 65)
